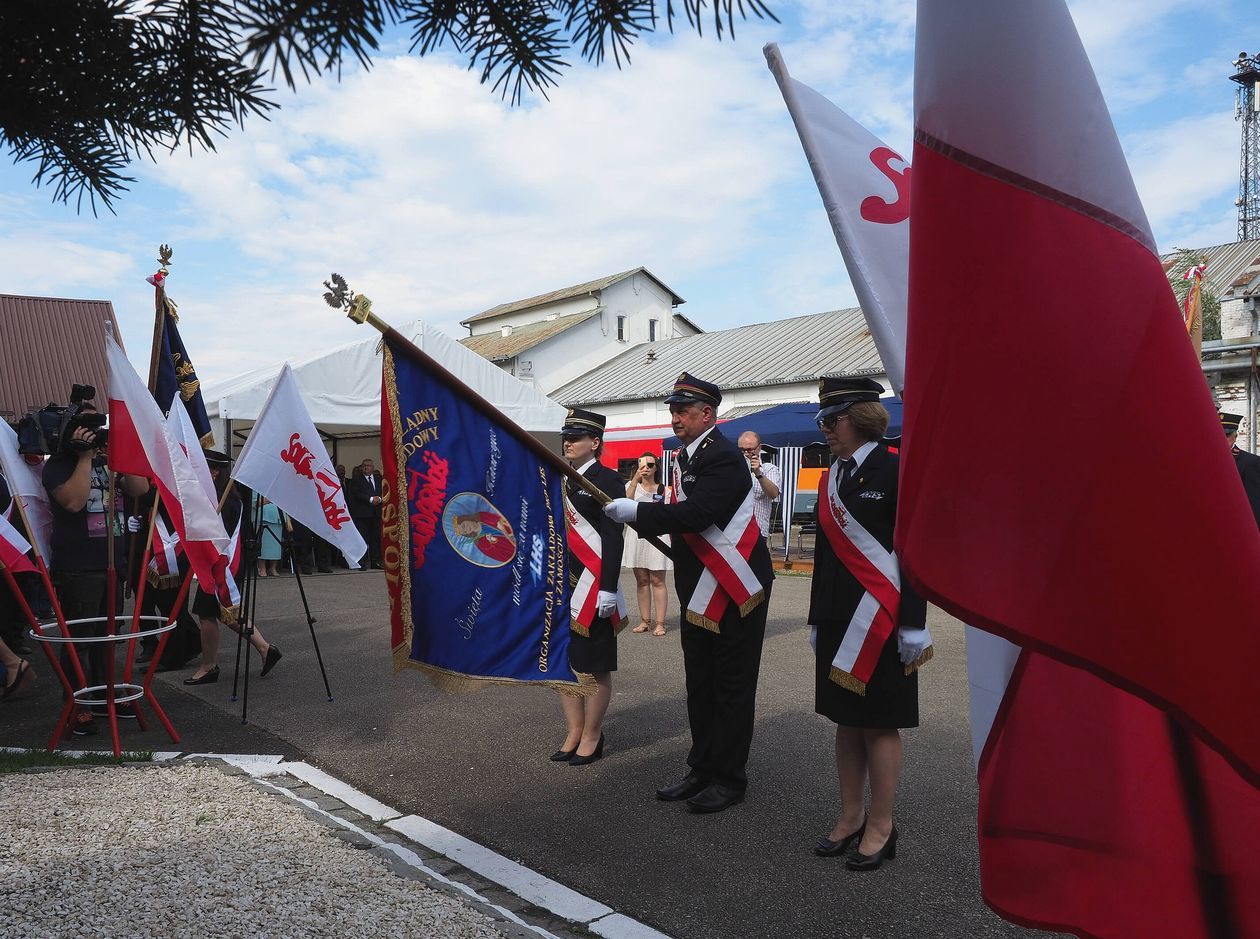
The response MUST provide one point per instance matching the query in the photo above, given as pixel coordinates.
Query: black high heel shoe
(584, 760)
(828, 848)
(563, 756)
(209, 678)
(871, 862)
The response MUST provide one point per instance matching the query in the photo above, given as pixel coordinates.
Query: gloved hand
(912, 642)
(622, 510)
(133, 523)
(606, 603)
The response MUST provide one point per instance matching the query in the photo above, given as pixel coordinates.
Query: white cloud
(1184, 168)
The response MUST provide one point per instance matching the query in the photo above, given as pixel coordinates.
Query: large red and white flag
(140, 443)
(26, 485)
(1119, 767)
(865, 188)
(13, 548)
(285, 460)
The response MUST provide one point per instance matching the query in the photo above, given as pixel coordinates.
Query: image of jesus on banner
(478, 531)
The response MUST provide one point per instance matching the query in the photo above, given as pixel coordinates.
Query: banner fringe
(699, 619)
(228, 615)
(163, 581)
(458, 683)
(578, 628)
(848, 681)
(751, 604)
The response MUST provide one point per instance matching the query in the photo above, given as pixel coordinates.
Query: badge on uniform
(871, 495)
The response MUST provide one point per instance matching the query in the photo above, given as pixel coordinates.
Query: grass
(11, 762)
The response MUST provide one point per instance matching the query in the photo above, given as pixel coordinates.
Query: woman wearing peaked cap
(205, 605)
(867, 624)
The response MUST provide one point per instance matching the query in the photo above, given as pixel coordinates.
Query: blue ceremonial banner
(176, 375)
(474, 540)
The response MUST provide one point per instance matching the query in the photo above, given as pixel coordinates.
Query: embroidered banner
(474, 545)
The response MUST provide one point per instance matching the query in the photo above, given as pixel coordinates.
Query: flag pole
(359, 308)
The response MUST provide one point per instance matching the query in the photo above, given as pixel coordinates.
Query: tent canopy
(342, 388)
(789, 425)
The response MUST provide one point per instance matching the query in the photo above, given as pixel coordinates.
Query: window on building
(621, 329)
(652, 330)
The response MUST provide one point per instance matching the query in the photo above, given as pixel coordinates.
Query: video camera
(51, 429)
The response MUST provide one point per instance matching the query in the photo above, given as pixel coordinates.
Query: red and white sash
(727, 576)
(226, 590)
(587, 547)
(163, 570)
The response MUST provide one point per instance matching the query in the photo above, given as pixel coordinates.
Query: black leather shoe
(209, 678)
(563, 756)
(273, 656)
(685, 788)
(872, 862)
(828, 848)
(585, 760)
(715, 798)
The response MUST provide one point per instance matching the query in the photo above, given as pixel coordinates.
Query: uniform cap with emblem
(691, 390)
(837, 395)
(216, 457)
(579, 423)
(1230, 422)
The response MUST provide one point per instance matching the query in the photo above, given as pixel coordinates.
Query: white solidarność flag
(285, 460)
(25, 483)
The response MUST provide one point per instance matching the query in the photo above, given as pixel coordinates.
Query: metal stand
(310, 620)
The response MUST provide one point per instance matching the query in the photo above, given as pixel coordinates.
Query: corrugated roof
(1231, 267)
(577, 290)
(774, 353)
(50, 344)
(747, 410)
(497, 348)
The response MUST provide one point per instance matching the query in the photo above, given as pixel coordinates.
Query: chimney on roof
(651, 355)
(505, 331)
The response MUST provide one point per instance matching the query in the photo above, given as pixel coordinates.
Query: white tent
(342, 389)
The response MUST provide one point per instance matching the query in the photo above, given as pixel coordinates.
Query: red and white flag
(1119, 766)
(25, 484)
(13, 548)
(140, 443)
(285, 460)
(865, 188)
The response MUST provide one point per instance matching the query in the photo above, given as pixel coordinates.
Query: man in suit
(724, 619)
(1248, 463)
(364, 501)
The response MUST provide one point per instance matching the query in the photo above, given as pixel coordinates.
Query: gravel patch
(188, 851)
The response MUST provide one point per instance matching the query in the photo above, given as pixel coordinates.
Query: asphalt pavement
(477, 764)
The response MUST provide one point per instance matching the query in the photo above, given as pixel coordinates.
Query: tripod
(252, 548)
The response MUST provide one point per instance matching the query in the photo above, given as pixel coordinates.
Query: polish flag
(1119, 764)
(25, 485)
(285, 460)
(13, 548)
(141, 443)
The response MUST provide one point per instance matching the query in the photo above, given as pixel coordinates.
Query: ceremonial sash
(876, 569)
(163, 572)
(587, 547)
(229, 611)
(725, 552)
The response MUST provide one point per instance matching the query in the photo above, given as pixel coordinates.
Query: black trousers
(82, 594)
(370, 528)
(722, 671)
(183, 643)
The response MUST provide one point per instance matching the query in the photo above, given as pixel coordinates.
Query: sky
(439, 200)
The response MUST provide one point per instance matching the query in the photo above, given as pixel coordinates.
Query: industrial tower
(1247, 110)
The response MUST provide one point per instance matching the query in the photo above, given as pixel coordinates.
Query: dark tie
(848, 468)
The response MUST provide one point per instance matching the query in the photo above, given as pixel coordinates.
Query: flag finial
(358, 307)
(164, 257)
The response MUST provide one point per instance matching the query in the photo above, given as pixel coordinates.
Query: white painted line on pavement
(620, 926)
(530, 885)
(359, 801)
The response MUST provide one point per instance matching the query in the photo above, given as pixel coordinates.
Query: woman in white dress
(647, 561)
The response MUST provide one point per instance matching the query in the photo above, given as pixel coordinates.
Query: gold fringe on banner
(458, 683)
(578, 628)
(848, 681)
(699, 619)
(924, 657)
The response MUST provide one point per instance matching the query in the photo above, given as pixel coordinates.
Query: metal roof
(498, 348)
(1230, 267)
(564, 293)
(50, 344)
(776, 353)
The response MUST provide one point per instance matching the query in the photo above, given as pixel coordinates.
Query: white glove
(133, 523)
(622, 510)
(912, 642)
(606, 603)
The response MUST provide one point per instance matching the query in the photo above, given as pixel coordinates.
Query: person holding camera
(76, 478)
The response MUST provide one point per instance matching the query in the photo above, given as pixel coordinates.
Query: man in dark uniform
(363, 497)
(1248, 463)
(722, 656)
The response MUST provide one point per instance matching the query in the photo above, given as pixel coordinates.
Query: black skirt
(596, 652)
(891, 699)
(205, 604)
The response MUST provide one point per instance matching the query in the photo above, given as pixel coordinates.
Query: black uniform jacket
(870, 498)
(611, 534)
(1249, 469)
(359, 495)
(715, 480)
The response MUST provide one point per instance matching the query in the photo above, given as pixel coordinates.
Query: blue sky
(438, 200)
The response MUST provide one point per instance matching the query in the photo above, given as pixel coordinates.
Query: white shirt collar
(587, 465)
(694, 445)
(862, 452)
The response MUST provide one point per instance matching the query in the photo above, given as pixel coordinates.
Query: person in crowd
(724, 622)
(766, 479)
(647, 561)
(168, 566)
(595, 606)
(206, 606)
(13, 624)
(861, 488)
(364, 498)
(77, 480)
(270, 533)
(1248, 463)
(18, 674)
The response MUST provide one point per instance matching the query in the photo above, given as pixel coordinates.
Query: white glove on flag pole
(285, 460)
(25, 484)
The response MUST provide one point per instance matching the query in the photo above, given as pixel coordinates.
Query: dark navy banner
(176, 376)
(474, 539)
